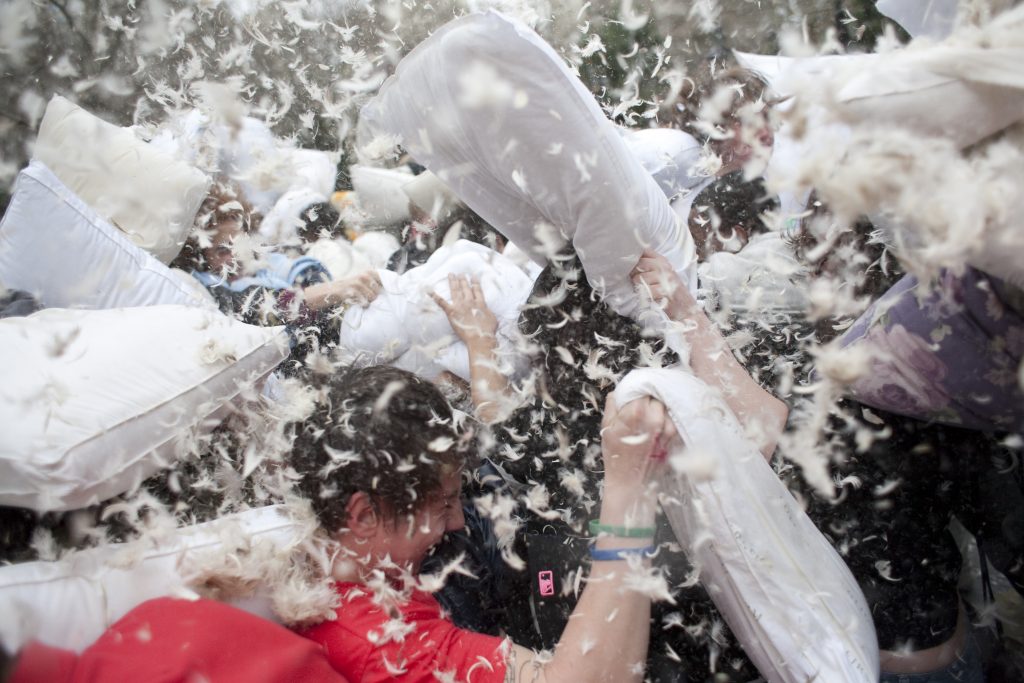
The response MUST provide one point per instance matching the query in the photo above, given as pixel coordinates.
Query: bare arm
(476, 326)
(606, 637)
(360, 289)
(761, 414)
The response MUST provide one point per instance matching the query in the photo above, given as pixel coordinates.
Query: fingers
(361, 288)
(642, 417)
(611, 411)
(439, 300)
(465, 292)
(465, 289)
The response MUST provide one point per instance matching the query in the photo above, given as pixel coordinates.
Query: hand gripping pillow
(53, 245)
(494, 112)
(93, 402)
(405, 327)
(70, 602)
(787, 596)
(145, 192)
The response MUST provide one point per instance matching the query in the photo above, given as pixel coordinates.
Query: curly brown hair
(380, 430)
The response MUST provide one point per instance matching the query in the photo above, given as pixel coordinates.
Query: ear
(362, 519)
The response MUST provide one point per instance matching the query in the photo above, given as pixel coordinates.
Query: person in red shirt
(170, 641)
(382, 462)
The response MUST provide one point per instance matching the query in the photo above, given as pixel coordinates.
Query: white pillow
(70, 602)
(93, 402)
(145, 192)
(380, 193)
(494, 111)
(788, 597)
(59, 249)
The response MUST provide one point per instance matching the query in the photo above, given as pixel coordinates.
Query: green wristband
(620, 531)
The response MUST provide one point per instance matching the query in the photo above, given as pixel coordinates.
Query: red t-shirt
(182, 641)
(366, 644)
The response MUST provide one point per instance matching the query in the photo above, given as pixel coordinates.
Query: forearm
(320, 296)
(488, 386)
(762, 415)
(606, 637)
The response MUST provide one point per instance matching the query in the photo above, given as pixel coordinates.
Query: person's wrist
(482, 343)
(635, 508)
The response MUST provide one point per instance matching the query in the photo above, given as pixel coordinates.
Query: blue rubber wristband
(614, 554)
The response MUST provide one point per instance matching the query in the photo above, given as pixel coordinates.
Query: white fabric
(145, 192)
(369, 251)
(314, 170)
(264, 166)
(93, 402)
(669, 155)
(789, 599)
(405, 327)
(431, 195)
(379, 193)
(376, 247)
(956, 89)
(70, 602)
(339, 257)
(764, 275)
(53, 245)
(281, 224)
(930, 18)
(492, 110)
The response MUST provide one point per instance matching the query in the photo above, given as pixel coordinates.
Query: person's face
(220, 257)
(745, 142)
(409, 539)
(709, 240)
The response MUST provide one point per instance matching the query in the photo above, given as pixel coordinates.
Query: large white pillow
(70, 602)
(493, 110)
(93, 402)
(53, 245)
(786, 594)
(145, 192)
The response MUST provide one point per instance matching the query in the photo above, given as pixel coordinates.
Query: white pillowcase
(93, 402)
(788, 597)
(56, 247)
(494, 111)
(405, 327)
(145, 192)
(70, 602)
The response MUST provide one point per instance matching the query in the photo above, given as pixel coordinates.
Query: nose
(456, 517)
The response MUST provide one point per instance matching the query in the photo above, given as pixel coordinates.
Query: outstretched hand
(470, 318)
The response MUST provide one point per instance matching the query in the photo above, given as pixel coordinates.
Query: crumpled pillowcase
(405, 327)
(947, 352)
(786, 594)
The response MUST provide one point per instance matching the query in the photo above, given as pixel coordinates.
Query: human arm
(607, 634)
(361, 289)
(475, 324)
(761, 414)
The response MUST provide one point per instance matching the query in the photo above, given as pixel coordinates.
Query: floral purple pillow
(950, 353)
